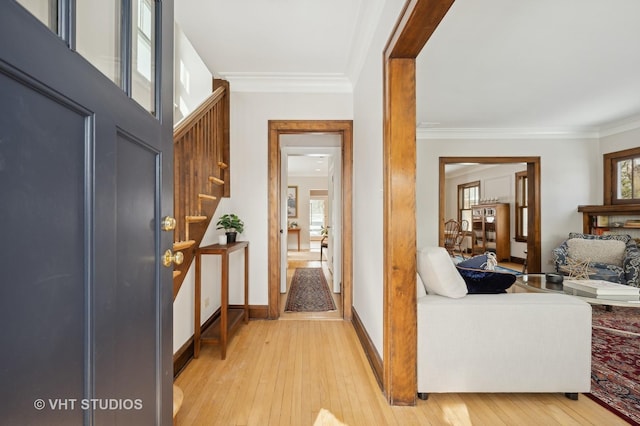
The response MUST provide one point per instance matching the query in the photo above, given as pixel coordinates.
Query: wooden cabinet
(490, 230)
(611, 219)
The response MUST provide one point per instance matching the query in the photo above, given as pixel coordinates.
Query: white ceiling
(524, 64)
(309, 155)
(496, 64)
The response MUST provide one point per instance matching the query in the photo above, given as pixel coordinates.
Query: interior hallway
(309, 259)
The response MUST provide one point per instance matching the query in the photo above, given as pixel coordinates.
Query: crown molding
(506, 133)
(620, 126)
(368, 19)
(428, 131)
(288, 82)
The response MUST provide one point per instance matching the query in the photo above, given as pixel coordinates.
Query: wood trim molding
(418, 21)
(258, 312)
(279, 127)
(534, 240)
(400, 234)
(369, 348)
(414, 27)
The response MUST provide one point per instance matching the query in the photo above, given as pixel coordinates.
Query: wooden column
(400, 233)
(416, 24)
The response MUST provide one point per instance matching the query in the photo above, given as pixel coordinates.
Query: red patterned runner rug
(615, 361)
(309, 292)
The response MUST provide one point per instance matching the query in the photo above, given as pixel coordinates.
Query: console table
(295, 231)
(230, 317)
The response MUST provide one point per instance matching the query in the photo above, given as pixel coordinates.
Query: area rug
(615, 361)
(309, 292)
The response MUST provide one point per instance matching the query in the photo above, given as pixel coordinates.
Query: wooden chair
(463, 233)
(323, 245)
(451, 233)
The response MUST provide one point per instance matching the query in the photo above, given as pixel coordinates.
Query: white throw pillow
(610, 252)
(439, 274)
(420, 289)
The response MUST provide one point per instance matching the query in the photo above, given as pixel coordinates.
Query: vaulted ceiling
(567, 65)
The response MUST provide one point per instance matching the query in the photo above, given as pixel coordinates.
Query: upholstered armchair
(614, 258)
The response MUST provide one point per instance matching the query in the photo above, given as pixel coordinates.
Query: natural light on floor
(326, 418)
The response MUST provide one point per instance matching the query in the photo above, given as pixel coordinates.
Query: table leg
(196, 324)
(246, 284)
(225, 306)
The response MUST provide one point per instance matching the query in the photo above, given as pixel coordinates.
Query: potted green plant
(232, 225)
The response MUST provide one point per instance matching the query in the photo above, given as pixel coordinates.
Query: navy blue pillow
(475, 262)
(480, 281)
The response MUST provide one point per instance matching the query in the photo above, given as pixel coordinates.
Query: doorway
(311, 203)
(533, 256)
(277, 181)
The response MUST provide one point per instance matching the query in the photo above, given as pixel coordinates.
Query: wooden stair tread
(207, 197)
(193, 219)
(181, 245)
(215, 180)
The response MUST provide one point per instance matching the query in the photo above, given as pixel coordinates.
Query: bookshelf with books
(611, 220)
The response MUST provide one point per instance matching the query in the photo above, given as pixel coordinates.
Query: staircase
(201, 173)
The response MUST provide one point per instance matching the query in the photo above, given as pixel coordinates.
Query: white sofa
(511, 342)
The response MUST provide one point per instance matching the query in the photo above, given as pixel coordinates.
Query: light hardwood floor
(285, 372)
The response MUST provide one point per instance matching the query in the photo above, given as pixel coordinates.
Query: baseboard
(185, 354)
(258, 312)
(182, 357)
(514, 259)
(369, 348)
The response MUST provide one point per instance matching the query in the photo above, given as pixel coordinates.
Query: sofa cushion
(421, 291)
(439, 274)
(625, 238)
(480, 281)
(601, 251)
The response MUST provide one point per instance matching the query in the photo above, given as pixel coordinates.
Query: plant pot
(231, 237)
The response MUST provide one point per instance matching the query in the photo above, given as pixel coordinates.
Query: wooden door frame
(344, 128)
(417, 22)
(534, 262)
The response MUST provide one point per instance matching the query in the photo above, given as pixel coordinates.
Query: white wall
(250, 113)
(193, 80)
(304, 184)
(568, 179)
(368, 253)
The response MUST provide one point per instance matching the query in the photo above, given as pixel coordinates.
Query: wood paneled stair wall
(201, 173)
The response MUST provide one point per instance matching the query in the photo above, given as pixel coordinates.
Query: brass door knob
(168, 223)
(170, 258)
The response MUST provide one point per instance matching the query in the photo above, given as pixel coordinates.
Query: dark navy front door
(85, 178)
